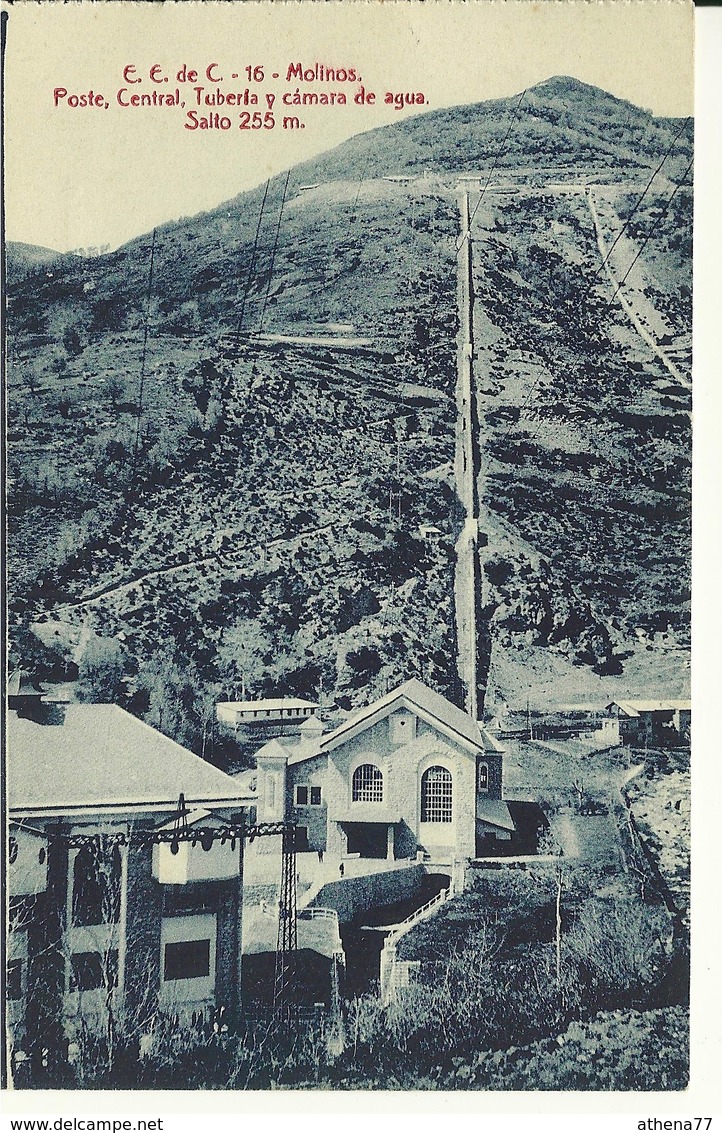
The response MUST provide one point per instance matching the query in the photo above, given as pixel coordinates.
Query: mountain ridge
(251, 506)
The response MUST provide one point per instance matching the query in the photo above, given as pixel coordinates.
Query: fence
(395, 973)
(315, 914)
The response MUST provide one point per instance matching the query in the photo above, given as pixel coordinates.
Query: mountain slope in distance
(246, 498)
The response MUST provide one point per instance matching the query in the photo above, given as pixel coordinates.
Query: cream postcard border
(221, 1111)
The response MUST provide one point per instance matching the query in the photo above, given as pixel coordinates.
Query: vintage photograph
(348, 370)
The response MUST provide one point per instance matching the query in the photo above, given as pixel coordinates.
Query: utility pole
(398, 475)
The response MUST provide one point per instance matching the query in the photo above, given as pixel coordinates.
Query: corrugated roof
(266, 705)
(102, 757)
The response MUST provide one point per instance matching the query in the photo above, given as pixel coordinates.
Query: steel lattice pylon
(287, 925)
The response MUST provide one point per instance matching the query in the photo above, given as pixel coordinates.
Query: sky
(94, 176)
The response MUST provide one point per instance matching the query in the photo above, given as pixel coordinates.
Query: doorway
(368, 839)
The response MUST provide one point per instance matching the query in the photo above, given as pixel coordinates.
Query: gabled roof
(272, 750)
(431, 706)
(101, 760)
(311, 726)
(637, 707)
(415, 695)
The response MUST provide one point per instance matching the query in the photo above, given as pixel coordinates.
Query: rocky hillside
(224, 438)
(586, 429)
(561, 124)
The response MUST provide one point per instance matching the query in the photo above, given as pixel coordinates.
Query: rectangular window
(15, 979)
(187, 960)
(315, 796)
(301, 796)
(97, 883)
(90, 971)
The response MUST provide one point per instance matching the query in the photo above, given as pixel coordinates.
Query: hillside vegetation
(223, 464)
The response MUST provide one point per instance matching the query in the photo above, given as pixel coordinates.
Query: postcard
(348, 370)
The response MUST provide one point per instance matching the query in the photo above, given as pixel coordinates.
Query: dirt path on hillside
(114, 590)
(631, 313)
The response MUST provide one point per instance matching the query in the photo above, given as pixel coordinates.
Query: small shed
(429, 533)
(652, 723)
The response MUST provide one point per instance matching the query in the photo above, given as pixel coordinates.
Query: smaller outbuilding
(261, 720)
(652, 723)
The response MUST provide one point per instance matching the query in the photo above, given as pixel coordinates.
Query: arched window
(483, 777)
(96, 886)
(367, 784)
(436, 795)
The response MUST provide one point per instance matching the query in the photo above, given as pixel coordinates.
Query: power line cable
(467, 235)
(143, 355)
(497, 159)
(651, 232)
(639, 200)
(540, 353)
(251, 264)
(273, 253)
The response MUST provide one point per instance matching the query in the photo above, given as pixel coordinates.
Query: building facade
(108, 929)
(652, 723)
(409, 775)
(260, 720)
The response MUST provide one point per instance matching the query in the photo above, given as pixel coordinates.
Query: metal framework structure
(182, 833)
(287, 943)
(206, 836)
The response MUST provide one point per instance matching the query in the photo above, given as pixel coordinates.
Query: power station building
(409, 775)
